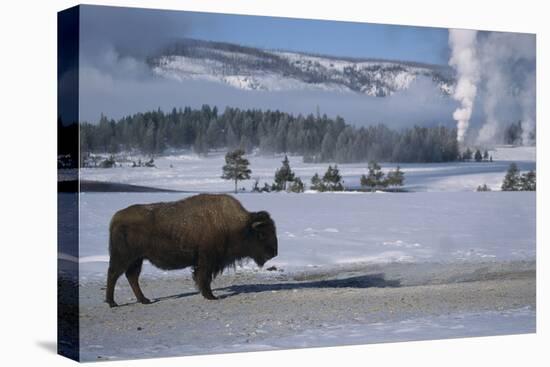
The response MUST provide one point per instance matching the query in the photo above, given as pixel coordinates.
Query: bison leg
(112, 276)
(132, 273)
(203, 277)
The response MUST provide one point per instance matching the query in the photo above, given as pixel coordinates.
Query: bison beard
(206, 232)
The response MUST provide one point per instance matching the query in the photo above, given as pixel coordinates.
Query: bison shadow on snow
(359, 281)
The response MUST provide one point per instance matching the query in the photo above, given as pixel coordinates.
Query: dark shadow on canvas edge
(48, 345)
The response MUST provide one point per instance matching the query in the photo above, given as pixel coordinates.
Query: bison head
(262, 237)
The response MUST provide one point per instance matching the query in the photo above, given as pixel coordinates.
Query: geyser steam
(508, 61)
(464, 60)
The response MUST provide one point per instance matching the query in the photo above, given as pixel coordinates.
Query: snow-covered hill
(256, 69)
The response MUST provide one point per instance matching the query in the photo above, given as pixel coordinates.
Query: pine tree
(477, 156)
(296, 186)
(395, 177)
(485, 155)
(84, 146)
(511, 180)
(512, 134)
(266, 187)
(149, 140)
(283, 175)
(231, 138)
(528, 181)
(214, 135)
(108, 162)
(375, 177)
(332, 180)
(467, 155)
(201, 145)
(317, 184)
(246, 143)
(236, 167)
(483, 187)
(256, 187)
(327, 147)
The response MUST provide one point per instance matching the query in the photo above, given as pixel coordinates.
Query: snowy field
(439, 261)
(189, 172)
(339, 229)
(459, 325)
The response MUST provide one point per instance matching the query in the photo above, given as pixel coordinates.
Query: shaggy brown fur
(206, 232)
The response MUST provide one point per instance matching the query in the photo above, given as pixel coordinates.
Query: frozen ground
(189, 172)
(514, 153)
(352, 267)
(369, 304)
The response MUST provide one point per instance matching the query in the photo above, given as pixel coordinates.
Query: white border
(28, 143)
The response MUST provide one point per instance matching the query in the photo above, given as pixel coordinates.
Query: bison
(207, 232)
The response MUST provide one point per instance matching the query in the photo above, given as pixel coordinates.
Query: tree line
(468, 154)
(236, 169)
(317, 138)
(514, 180)
(514, 132)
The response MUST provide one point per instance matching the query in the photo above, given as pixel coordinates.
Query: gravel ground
(257, 308)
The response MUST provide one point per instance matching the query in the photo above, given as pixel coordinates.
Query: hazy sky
(326, 37)
(145, 28)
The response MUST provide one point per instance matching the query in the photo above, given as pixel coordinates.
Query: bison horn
(255, 225)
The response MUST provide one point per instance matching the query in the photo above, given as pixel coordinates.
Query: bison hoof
(112, 304)
(145, 301)
(210, 297)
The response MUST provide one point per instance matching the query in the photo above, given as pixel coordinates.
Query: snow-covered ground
(338, 230)
(515, 153)
(189, 172)
(422, 328)
(441, 219)
(438, 250)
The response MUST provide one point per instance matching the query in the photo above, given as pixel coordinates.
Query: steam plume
(528, 104)
(464, 61)
(508, 64)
